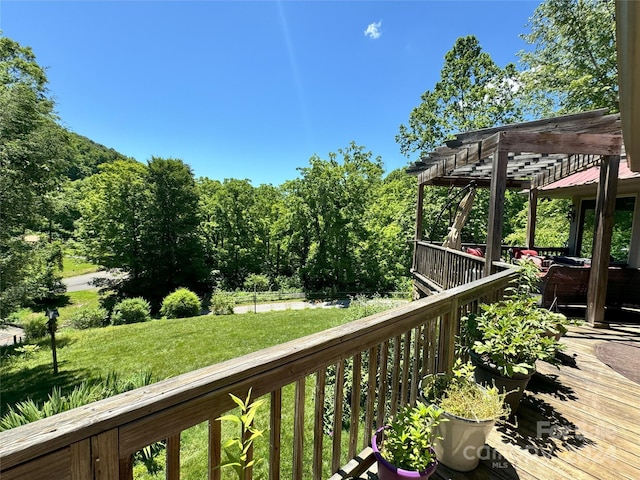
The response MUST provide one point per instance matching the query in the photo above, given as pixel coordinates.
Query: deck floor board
(577, 422)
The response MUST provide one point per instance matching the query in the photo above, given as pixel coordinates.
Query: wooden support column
(604, 216)
(496, 209)
(419, 212)
(532, 213)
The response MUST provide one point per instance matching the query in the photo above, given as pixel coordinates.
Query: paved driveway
(83, 282)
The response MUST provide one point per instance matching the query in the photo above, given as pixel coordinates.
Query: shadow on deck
(578, 421)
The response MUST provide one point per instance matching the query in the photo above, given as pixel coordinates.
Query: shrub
(131, 310)
(35, 327)
(88, 317)
(222, 303)
(180, 304)
(87, 392)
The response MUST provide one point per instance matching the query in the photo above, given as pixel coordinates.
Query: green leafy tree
(572, 64)
(335, 195)
(472, 93)
(114, 223)
(390, 223)
(173, 251)
(30, 164)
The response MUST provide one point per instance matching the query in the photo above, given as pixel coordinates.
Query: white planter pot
(462, 441)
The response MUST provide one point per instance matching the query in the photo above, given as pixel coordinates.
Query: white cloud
(373, 30)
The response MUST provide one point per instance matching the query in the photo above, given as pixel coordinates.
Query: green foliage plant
(257, 282)
(57, 402)
(131, 310)
(182, 303)
(222, 303)
(88, 317)
(238, 448)
(35, 327)
(511, 335)
(409, 437)
(458, 394)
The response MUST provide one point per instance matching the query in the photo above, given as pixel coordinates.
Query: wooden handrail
(98, 440)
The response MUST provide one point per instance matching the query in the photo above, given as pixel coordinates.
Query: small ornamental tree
(181, 304)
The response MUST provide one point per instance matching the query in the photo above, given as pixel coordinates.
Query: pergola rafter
(528, 156)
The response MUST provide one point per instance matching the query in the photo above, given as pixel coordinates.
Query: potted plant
(505, 340)
(404, 447)
(471, 411)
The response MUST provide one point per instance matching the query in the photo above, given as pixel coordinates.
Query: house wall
(634, 248)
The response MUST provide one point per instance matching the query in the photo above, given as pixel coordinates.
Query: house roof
(585, 183)
(539, 152)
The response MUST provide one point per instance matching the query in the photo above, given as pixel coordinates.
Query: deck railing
(444, 268)
(439, 268)
(390, 350)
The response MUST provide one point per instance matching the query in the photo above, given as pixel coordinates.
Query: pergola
(528, 156)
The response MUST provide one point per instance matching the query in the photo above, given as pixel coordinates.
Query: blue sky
(241, 89)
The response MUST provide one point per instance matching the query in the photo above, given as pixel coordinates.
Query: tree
(173, 251)
(113, 224)
(390, 224)
(30, 164)
(335, 195)
(472, 93)
(572, 66)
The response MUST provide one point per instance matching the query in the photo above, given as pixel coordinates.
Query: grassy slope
(166, 347)
(169, 348)
(72, 266)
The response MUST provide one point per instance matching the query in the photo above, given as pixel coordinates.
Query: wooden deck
(581, 421)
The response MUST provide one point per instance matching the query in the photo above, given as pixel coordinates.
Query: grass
(66, 305)
(166, 347)
(72, 266)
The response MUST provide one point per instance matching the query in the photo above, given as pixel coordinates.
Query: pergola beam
(569, 143)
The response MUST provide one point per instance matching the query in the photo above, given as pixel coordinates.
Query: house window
(621, 238)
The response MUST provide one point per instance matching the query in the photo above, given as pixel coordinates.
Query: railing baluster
(275, 422)
(104, 450)
(215, 448)
(382, 384)
(395, 376)
(173, 458)
(338, 401)
(318, 434)
(415, 371)
(81, 462)
(126, 470)
(355, 404)
(298, 429)
(371, 395)
(406, 359)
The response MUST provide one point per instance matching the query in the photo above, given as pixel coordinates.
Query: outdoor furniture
(566, 285)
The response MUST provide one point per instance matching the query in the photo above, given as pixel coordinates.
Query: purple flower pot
(387, 471)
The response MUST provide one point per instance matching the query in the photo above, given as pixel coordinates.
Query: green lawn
(72, 266)
(169, 348)
(66, 305)
(165, 347)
